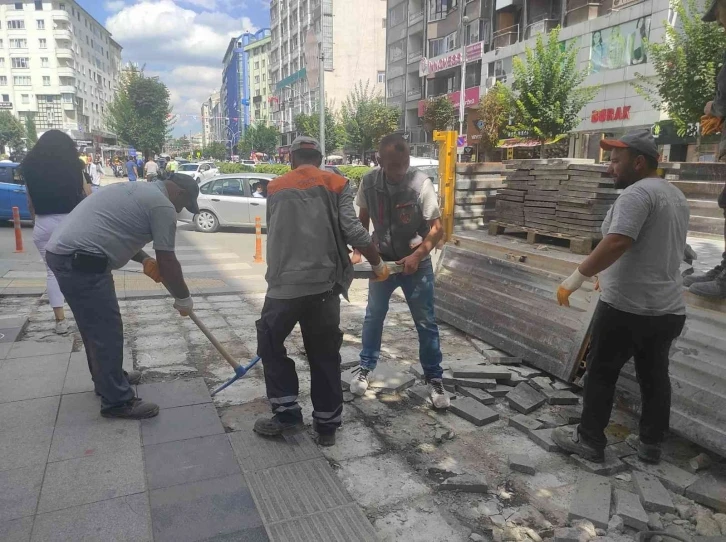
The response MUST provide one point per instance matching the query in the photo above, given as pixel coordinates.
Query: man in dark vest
(402, 203)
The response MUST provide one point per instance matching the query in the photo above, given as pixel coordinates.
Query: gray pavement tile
(10, 321)
(10, 335)
(347, 523)
(16, 530)
(185, 461)
(4, 349)
(219, 507)
(89, 479)
(78, 378)
(125, 519)
(30, 378)
(26, 428)
(176, 393)
(298, 489)
(28, 349)
(81, 431)
(19, 489)
(181, 423)
(256, 453)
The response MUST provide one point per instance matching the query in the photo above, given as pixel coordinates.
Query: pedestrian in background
(131, 170)
(151, 170)
(54, 179)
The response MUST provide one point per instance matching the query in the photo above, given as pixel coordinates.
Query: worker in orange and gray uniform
(712, 284)
(310, 222)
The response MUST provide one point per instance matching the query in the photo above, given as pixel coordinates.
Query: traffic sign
(461, 141)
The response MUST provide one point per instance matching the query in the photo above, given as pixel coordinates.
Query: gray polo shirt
(118, 221)
(646, 280)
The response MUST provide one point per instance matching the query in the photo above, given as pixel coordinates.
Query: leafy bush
(354, 173)
(230, 167)
(275, 169)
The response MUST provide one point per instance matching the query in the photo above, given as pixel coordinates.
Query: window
(438, 9)
(383, 22)
(257, 79)
(18, 5)
(46, 80)
(40, 24)
(395, 87)
(2, 62)
(44, 62)
(436, 47)
(18, 44)
(6, 97)
(473, 32)
(21, 81)
(25, 98)
(395, 51)
(43, 43)
(381, 77)
(397, 14)
(16, 25)
(451, 42)
(38, 5)
(21, 62)
(3, 81)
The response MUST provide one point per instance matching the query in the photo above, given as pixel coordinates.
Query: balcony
(505, 36)
(69, 106)
(61, 15)
(67, 89)
(65, 71)
(414, 56)
(62, 34)
(64, 52)
(413, 93)
(395, 55)
(415, 16)
(543, 26)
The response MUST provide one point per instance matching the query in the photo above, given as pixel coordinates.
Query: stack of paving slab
(510, 200)
(477, 186)
(584, 200)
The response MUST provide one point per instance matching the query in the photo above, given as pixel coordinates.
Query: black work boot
(569, 439)
(648, 453)
(715, 289)
(274, 427)
(135, 409)
(708, 276)
(325, 438)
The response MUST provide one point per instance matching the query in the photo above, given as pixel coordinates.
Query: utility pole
(321, 88)
(462, 37)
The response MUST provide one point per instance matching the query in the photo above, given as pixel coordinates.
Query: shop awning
(517, 142)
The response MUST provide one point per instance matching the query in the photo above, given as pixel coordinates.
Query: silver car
(230, 200)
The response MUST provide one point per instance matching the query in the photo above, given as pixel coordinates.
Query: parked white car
(229, 200)
(429, 166)
(200, 171)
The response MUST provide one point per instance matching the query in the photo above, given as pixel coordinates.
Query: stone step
(705, 207)
(706, 224)
(699, 188)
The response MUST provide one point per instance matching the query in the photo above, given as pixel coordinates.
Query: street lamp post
(462, 37)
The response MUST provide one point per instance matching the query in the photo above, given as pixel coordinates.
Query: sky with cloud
(181, 41)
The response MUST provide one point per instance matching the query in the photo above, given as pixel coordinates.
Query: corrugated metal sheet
(512, 306)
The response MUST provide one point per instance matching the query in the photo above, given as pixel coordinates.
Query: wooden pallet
(578, 245)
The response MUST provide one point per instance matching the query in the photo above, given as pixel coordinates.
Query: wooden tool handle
(214, 340)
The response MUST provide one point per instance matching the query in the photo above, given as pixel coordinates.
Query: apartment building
(608, 35)
(210, 120)
(235, 92)
(59, 66)
(351, 34)
(258, 80)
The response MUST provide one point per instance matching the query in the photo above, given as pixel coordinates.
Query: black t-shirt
(55, 198)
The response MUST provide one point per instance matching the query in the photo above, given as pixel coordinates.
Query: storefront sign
(290, 79)
(620, 46)
(6, 105)
(471, 98)
(429, 66)
(610, 114)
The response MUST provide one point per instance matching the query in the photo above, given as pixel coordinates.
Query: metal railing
(415, 16)
(541, 27)
(506, 36)
(395, 56)
(413, 93)
(413, 56)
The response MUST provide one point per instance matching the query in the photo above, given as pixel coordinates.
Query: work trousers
(92, 298)
(319, 318)
(616, 337)
(44, 227)
(418, 289)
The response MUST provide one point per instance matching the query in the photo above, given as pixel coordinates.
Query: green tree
(686, 63)
(12, 131)
(216, 150)
(309, 125)
(548, 97)
(495, 108)
(31, 131)
(261, 138)
(366, 118)
(440, 114)
(140, 113)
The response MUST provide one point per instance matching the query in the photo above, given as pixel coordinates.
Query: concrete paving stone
(470, 483)
(298, 489)
(33, 349)
(175, 393)
(513, 381)
(16, 530)
(481, 371)
(480, 346)
(388, 379)
(511, 361)
(11, 321)
(204, 510)
(122, 519)
(570, 534)
(543, 439)
(475, 393)
(420, 395)
(181, 423)
(525, 371)
(90, 479)
(19, 490)
(353, 440)
(525, 399)
(709, 491)
(525, 423)
(591, 500)
(481, 383)
(521, 463)
(26, 428)
(561, 397)
(151, 359)
(255, 453)
(541, 382)
(78, 377)
(653, 496)
(10, 335)
(4, 349)
(551, 419)
(612, 464)
(573, 414)
(347, 523)
(185, 461)
(560, 385)
(628, 507)
(472, 410)
(621, 449)
(674, 478)
(499, 390)
(32, 377)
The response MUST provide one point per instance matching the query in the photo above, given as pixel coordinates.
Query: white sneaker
(438, 394)
(359, 384)
(62, 327)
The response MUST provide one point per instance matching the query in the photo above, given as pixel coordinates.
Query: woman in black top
(54, 178)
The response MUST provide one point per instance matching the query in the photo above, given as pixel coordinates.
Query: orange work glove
(710, 125)
(381, 271)
(151, 269)
(570, 284)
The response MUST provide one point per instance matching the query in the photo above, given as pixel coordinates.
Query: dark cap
(639, 140)
(191, 187)
(305, 142)
(710, 15)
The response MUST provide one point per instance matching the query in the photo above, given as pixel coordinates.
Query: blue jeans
(419, 292)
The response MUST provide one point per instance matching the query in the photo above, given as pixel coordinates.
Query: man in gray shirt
(102, 233)
(641, 310)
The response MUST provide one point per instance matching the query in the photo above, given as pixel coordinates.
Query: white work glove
(184, 306)
(570, 284)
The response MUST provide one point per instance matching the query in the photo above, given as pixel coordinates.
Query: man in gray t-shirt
(641, 309)
(102, 233)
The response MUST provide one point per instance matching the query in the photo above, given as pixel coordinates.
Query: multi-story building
(59, 66)
(352, 34)
(209, 128)
(424, 57)
(235, 92)
(258, 80)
